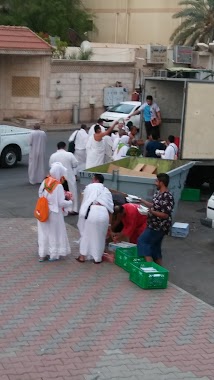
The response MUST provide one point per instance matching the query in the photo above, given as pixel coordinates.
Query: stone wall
(34, 87)
(77, 82)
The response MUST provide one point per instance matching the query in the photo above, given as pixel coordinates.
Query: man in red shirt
(133, 222)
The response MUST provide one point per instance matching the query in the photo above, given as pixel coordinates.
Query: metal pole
(183, 118)
(116, 28)
(127, 21)
(80, 93)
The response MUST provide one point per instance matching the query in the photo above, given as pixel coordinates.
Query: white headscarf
(124, 139)
(58, 171)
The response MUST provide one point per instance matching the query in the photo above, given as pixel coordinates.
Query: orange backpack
(41, 211)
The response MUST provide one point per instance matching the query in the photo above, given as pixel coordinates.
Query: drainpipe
(127, 21)
(80, 93)
(116, 27)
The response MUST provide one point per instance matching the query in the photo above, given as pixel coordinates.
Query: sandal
(42, 259)
(79, 260)
(52, 260)
(97, 262)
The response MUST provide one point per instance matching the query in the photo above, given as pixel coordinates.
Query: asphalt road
(17, 196)
(190, 260)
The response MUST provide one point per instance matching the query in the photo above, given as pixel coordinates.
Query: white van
(209, 220)
(14, 143)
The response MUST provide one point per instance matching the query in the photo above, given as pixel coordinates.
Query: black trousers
(65, 185)
(149, 129)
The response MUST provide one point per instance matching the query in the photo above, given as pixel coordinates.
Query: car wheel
(9, 157)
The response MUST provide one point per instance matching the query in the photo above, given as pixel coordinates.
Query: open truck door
(197, 134)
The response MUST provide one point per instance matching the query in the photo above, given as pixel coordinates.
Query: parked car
(13, 144)
(209, 220)
(121, 111)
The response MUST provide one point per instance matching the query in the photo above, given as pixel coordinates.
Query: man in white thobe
(92, 131)
(81, 138)
(108, 148)
(36, 165)
(171, 151)
(68, 160)
(94, 219)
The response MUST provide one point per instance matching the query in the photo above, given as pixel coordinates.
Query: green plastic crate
(135, 260)
(189, 194)
(149, 280)
(124, 256)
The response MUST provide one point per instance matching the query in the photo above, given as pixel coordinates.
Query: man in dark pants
(151, 115)
(158, 222)
(153, 145)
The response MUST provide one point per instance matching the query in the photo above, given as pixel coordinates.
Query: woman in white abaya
(52, 235)
(98, 204)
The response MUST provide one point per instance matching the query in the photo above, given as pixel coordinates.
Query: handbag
(71, 145)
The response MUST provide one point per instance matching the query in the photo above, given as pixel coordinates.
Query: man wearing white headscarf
(122, 148)
(80, 137)
(108, 149)
(94, 219)
(36, 165)
(52, 236)
(69, 161)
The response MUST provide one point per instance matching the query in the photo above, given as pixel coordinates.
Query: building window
(26, 87)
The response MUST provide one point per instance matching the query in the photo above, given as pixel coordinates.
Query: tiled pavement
(67, 321)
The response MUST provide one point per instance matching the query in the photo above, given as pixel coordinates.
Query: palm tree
(197, 24)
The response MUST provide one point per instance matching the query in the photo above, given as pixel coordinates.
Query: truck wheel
(9, 157)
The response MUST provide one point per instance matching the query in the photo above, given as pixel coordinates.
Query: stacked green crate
(192, 195)
(125, 256)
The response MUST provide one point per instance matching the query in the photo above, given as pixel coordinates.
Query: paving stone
(81, 322)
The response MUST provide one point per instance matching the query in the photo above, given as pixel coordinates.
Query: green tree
(197, 22)
(53, 17)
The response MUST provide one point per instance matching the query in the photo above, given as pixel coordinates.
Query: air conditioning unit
(183, 54)
(156, 54)
(160, 73)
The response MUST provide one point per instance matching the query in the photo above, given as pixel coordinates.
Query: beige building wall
(75, 83)
(133, 21)
(34, 87)
(24, 86)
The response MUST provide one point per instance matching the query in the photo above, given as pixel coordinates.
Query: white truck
(187, 112)
(13, 144)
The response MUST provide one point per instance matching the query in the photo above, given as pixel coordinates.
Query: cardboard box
(139, 167)
(150, 169)
(146, 175)
(180, 230)
(112, 167)
(130, 172)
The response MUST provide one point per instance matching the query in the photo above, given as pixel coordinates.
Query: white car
(121, 111)
(14, 143)
(209, 220)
